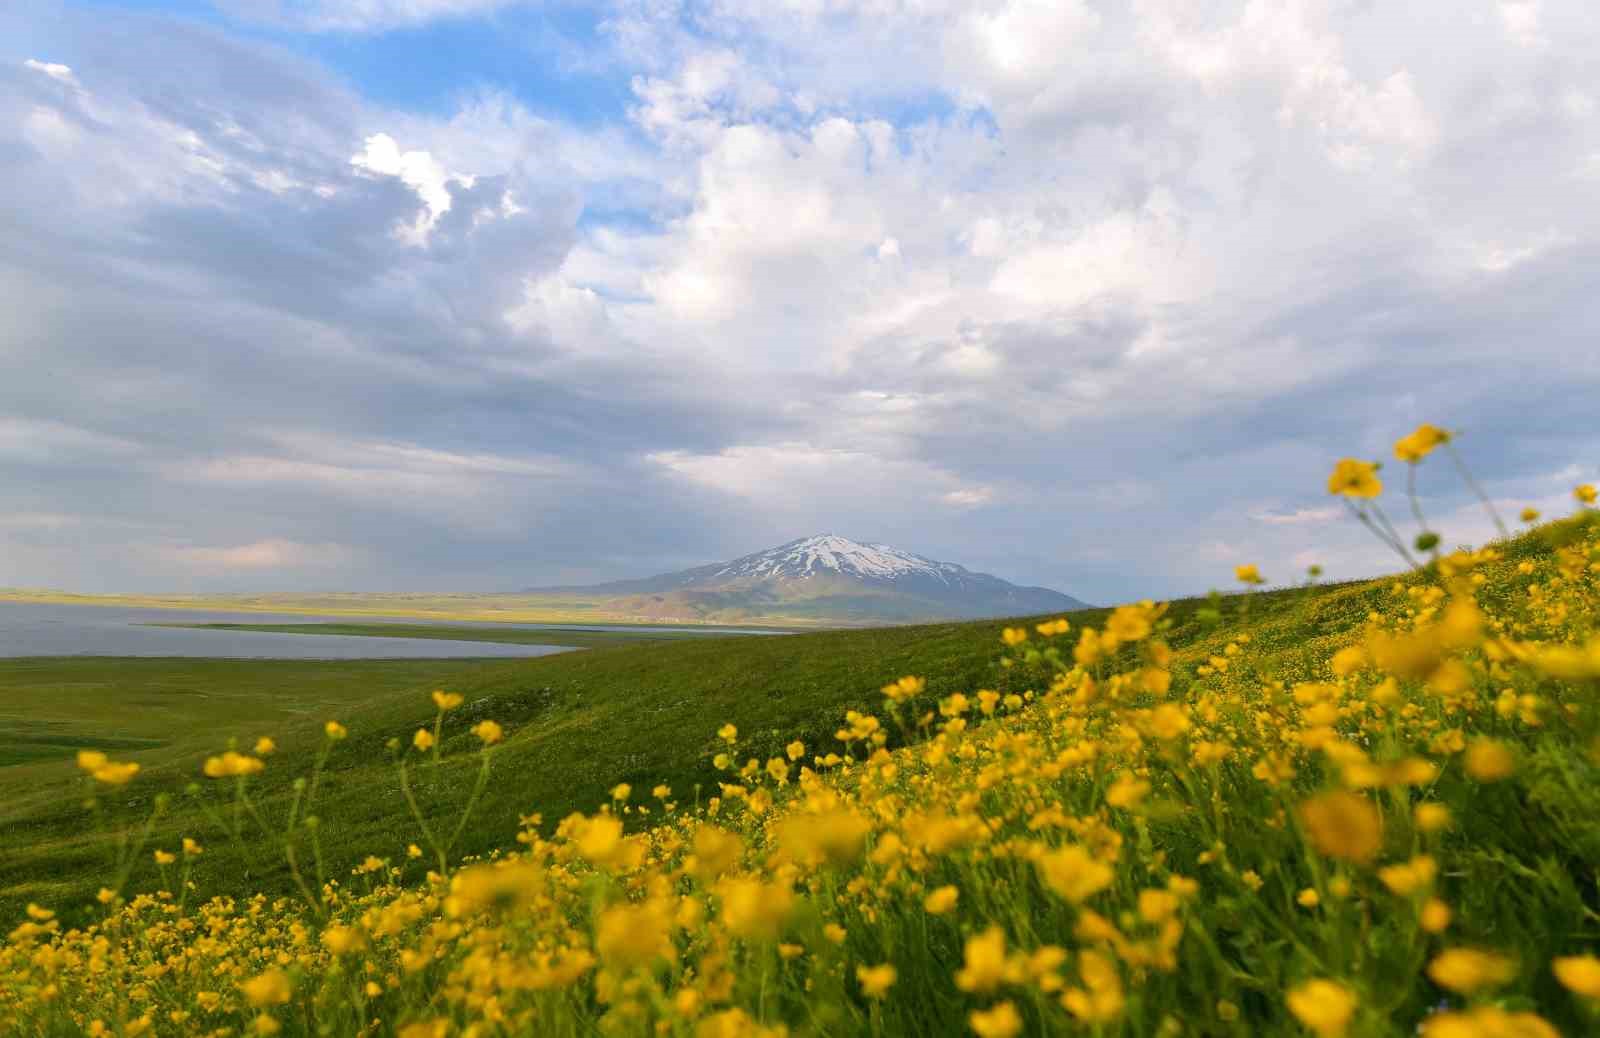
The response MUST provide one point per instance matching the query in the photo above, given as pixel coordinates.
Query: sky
(481, 295)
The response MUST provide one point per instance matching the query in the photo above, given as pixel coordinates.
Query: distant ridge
(823, 578)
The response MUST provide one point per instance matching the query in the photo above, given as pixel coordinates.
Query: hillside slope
(578, 723)
(1277, 813)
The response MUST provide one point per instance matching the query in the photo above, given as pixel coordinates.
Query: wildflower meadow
(1377, 814)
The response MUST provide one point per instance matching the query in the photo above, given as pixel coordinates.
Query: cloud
(60, 73)
(897, 270)
(47, 442)
(274, 554)
(968, 497)
(1299, 516)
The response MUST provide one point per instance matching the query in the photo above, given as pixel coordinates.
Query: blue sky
(476, 294)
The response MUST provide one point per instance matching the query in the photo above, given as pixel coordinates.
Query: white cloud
(419, 171)
(968, 497)
(812, 479)
(1521, 20)
(1067, 262)
(60, 73)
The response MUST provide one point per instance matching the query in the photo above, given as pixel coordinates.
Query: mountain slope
(827, 578)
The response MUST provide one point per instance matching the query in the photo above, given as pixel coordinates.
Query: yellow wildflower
(1468, 970)
(715, 851)
(829, 837)
(1101, 997)
(1248, 574)
(1410, 878)
(1343, 825)
(1073, 873)
(437, 1027)
(1127, 791)
(271, 988)
(335, 731)
(500, 886)
(1420, 444)
(1323, 1006)
(753, 909)
(488, 732)
(1431, 817)
(423, 739)
(1579, 974)
(1157, 906)
(343, 939)
(984, 962)
(876, 980)
(1353, 478)
(1130, 623)
(446, 700)
(1001, 1021)
(1435, 916)
(1487, 1022)
(231, 765)
(113, 774)
(1489, 760)
(941, 900)
(630, 936)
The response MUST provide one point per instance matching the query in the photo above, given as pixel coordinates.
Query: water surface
(40, 629)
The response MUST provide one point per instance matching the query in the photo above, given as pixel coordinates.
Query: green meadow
(577, 724)
(1343, 810)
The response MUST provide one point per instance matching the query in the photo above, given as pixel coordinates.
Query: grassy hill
(577, 724)
(1366, 809)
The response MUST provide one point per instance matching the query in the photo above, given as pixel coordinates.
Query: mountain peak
(831, 554)
(828, 577)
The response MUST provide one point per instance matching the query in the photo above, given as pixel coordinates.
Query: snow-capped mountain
(830, 578)
(831, 554)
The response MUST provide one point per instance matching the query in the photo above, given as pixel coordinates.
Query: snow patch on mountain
(831, 554)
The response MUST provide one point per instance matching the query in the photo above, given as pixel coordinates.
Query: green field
(499, 635)
(577, 724)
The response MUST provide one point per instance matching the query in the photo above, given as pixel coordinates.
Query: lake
(35, 629)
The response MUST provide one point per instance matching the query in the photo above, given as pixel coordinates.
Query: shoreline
(505, 616)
